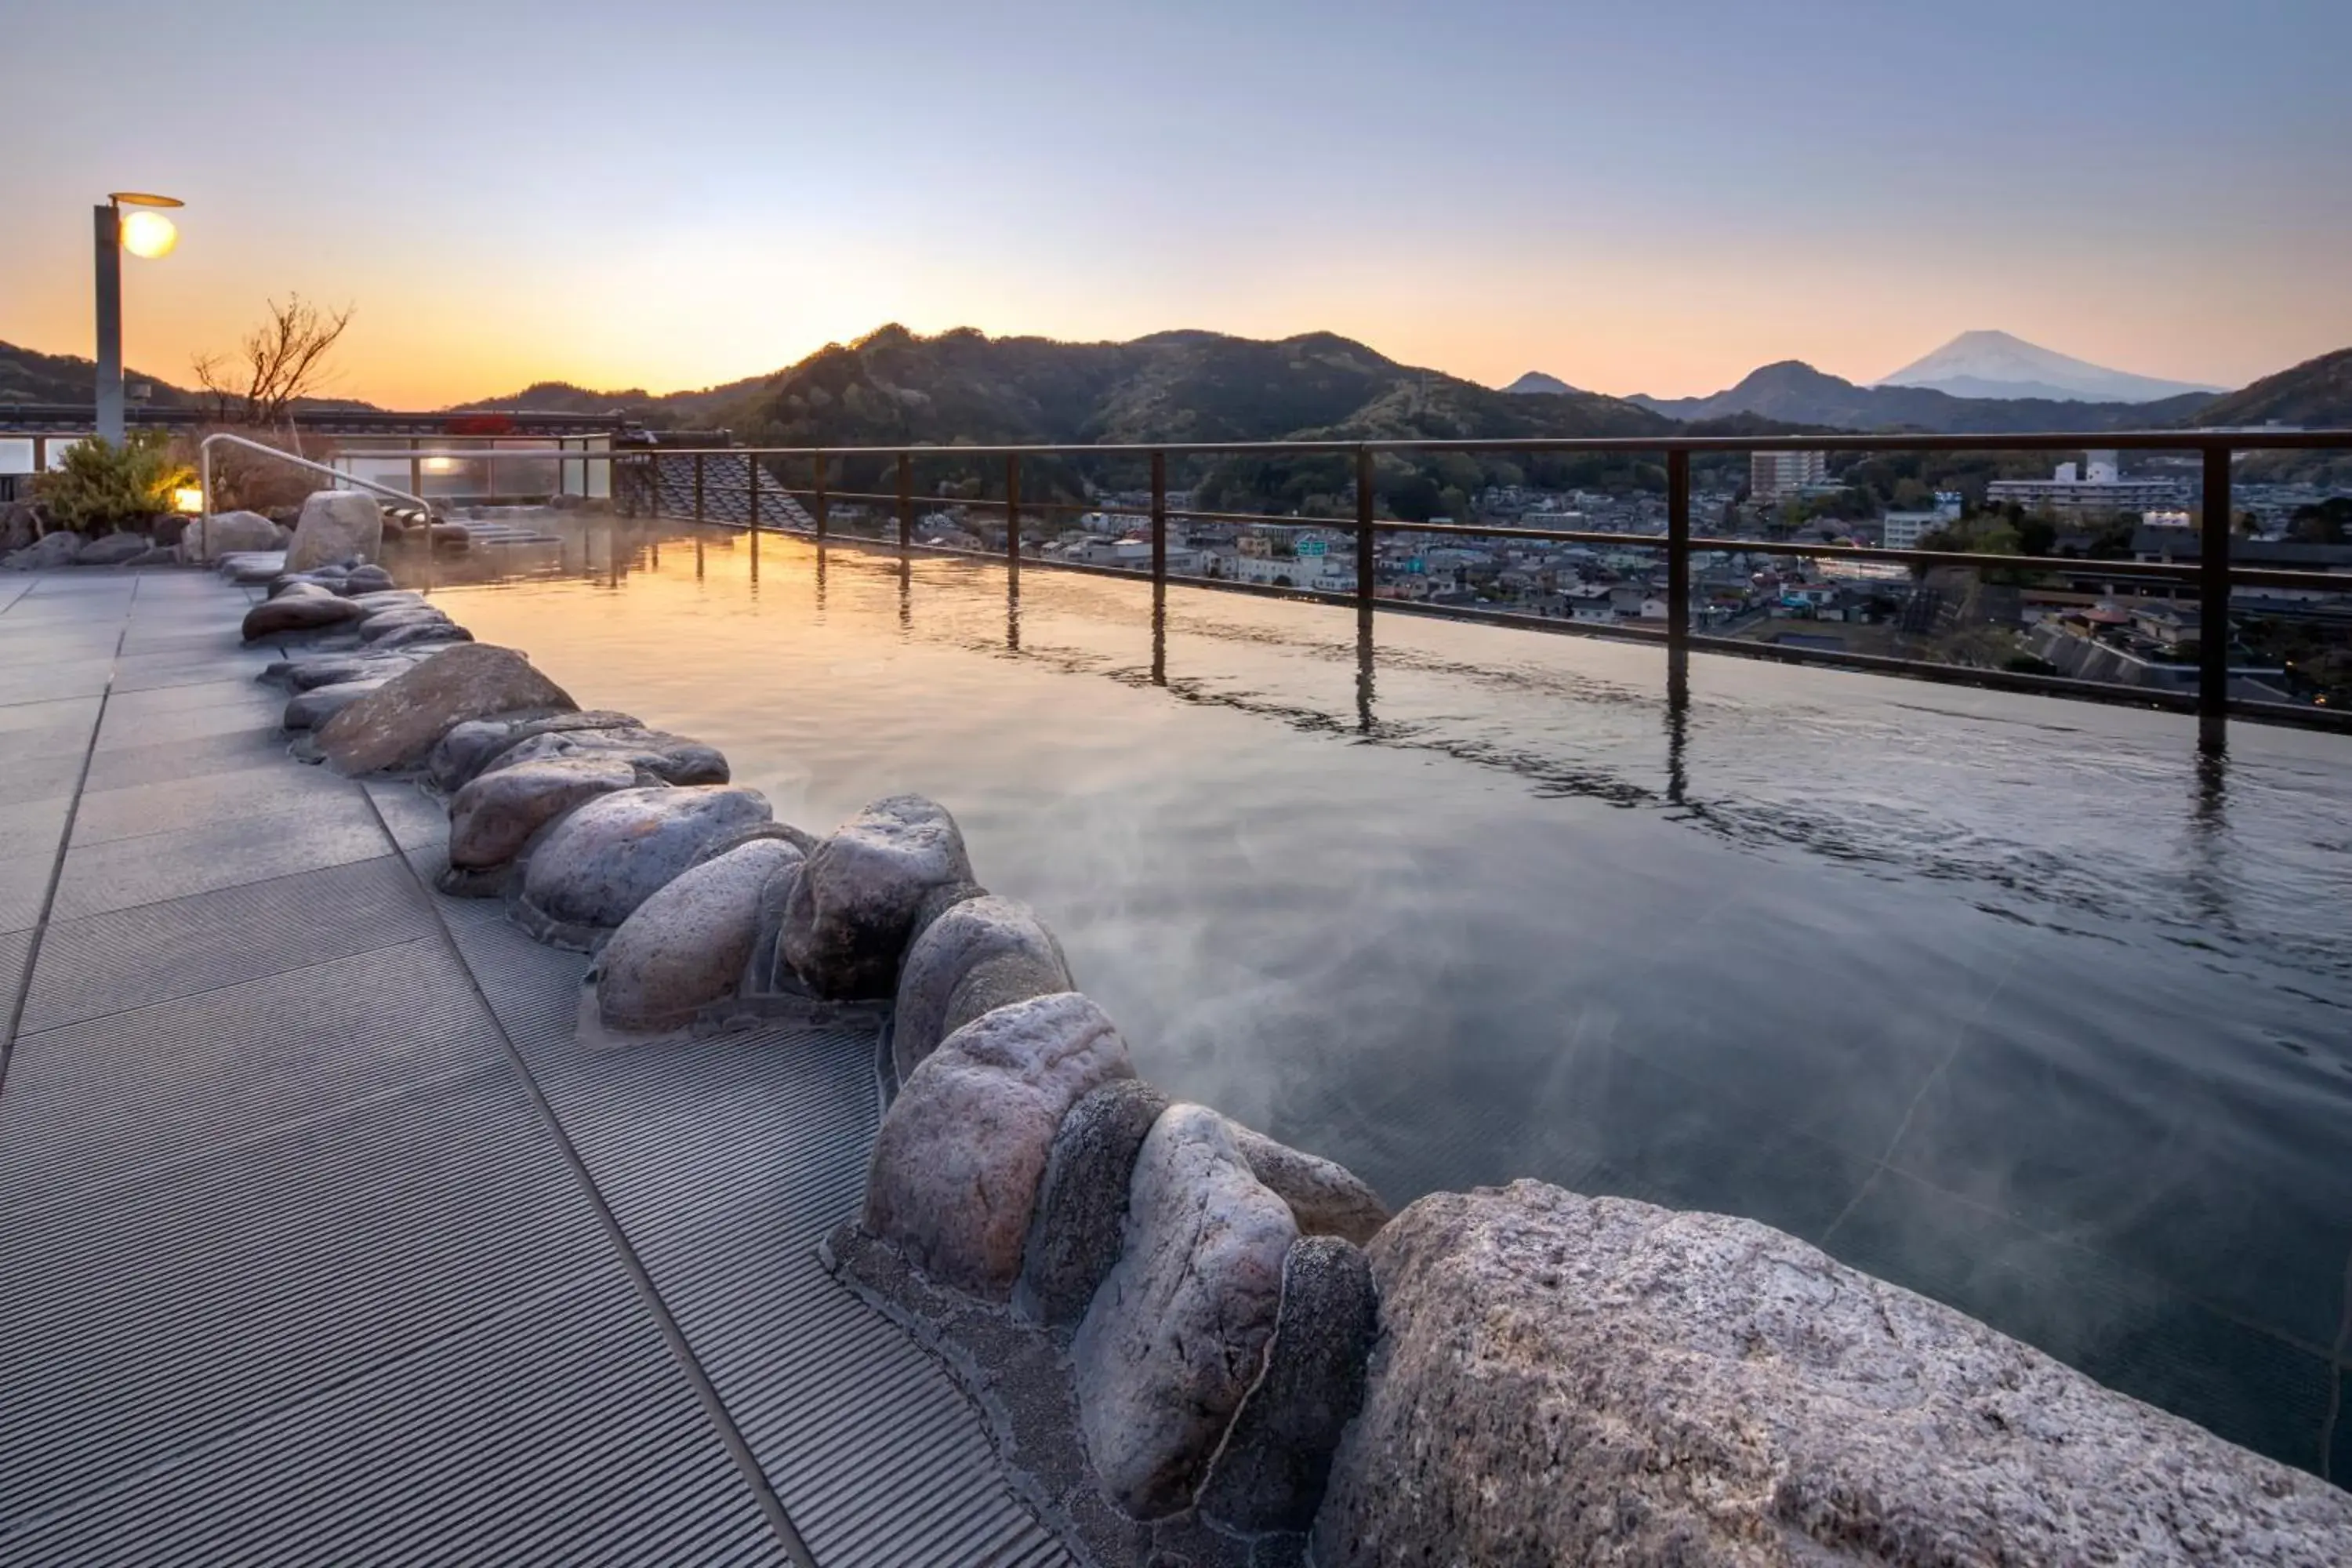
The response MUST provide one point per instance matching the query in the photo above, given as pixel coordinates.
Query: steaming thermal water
(2006, 998)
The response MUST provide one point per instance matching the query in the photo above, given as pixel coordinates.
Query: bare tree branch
(280, 363)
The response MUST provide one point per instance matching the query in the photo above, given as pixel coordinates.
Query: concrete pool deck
(323, 1238)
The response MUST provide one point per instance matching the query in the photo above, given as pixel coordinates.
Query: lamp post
(144, 232)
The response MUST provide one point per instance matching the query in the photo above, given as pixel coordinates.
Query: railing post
(1158, 520)
(1364, 530)
(698, 487)
(906, 500)
(1013, 515)
(2213, 605)
(1678, 534)
(752, 506)
(416, 469)
(818, 511)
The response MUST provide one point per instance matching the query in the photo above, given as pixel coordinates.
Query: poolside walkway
(320, 1240)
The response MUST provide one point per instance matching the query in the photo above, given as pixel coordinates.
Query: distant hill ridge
(896, 386)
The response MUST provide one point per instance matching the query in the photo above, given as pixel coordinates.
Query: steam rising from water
(2002, 998)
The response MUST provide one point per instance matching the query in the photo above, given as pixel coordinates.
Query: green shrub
(103, 486)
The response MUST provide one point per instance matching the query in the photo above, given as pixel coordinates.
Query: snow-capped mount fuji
(1997, 364)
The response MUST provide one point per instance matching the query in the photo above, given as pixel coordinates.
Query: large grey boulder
(397, 725)
(49, 551)
(1326, 1199)
(1080, 1220)
(297, 611)
(673, 759)
(613, 853)
(493, 818)
(1177, 1335)
(223, 533)
(336, 526)
(309, 710)
(1269, 1473)
(468, 748)
(683, 948)
(1564, 1379)
(112, 551)
(855, 901)
(977, 956)
(956, 1165)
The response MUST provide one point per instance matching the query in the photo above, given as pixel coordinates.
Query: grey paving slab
(68, 739)
(51, 773)
(56, 712)
(177, 700)
(121, 1097)
(128, 958)
(168, 760)
(164, 671)
(333, 831)
(48, 679)
(255, 710)
(269, 786)
(31, 833)
(415, 818)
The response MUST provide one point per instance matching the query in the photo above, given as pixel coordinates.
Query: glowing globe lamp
(149, 233)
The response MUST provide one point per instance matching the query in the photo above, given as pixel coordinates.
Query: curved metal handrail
(342, 482)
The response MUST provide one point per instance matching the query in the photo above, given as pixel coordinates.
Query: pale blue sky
(1651, 198)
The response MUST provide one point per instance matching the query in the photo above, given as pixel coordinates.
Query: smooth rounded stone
(957, 1163)
(417, 636)
(978, 955)
(337, 668)
(111, 551)
(674, 759)
(856, 901)
(1269, 1474)
(315, 707)
(685, 948)
(493, 818)
(1176, 1337)
(467, 749)
(332, 579)
(253, 570)
(1324, 1197)
(448, 536)
(226, 533)
(297, 612)
(380, 623)
(396, 726)
(1570, 1379)
(51, 550)
(382, 600)
(369, 579)
(336, 526)
(613, 853)
(1075, 1228)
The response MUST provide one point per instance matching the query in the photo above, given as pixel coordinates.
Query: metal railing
(2212, 576)
(342, 482)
